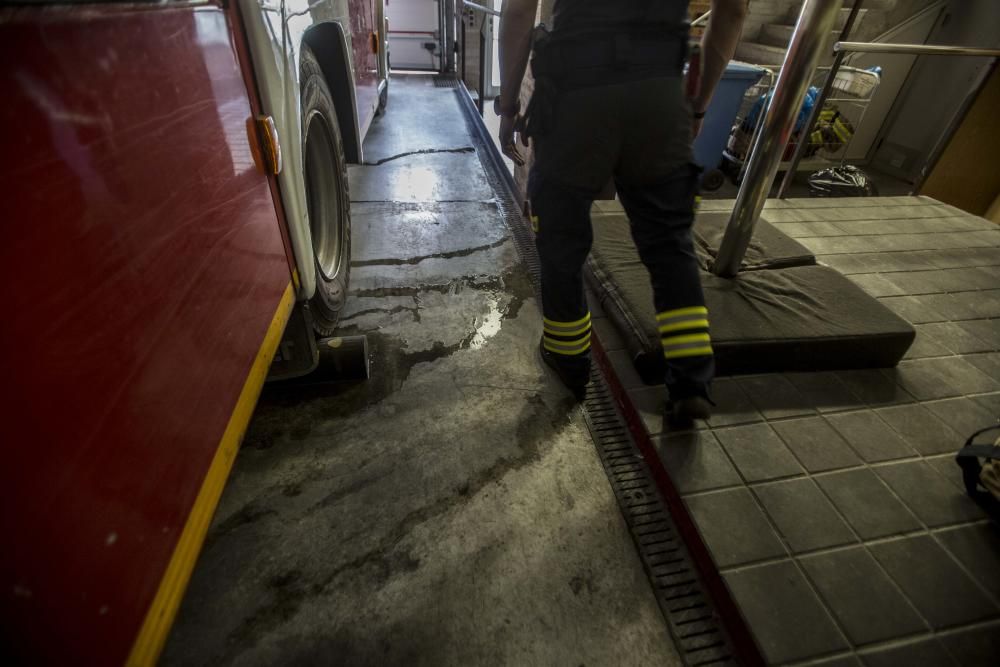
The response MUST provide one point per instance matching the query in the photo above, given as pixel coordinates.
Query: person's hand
(509, 124)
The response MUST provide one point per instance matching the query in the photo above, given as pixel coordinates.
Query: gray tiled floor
(870, 437)
(758, 452)
(816, 444)
(863, 599)
(867, 504)
(939, 587)
(784, 612)
(920, 428)
(734, 527)
(803, 515)
(831, 502)
(775, 396)
(928, 494)
(921, 653)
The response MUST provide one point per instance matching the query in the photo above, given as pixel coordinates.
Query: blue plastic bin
(719, 119)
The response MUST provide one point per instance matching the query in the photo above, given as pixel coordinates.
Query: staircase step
(760, 54)
(773, 34)
(771, 55)
(838, 25)
(845, 12)
(875, 5)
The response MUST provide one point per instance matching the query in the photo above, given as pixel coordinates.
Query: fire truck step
(339, 359)
(343, 358)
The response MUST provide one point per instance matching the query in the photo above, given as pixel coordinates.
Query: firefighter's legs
(563, 240)
(661, 217)
(573, 162)
(657, 185)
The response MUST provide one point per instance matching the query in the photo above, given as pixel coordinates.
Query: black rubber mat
(690, 611)
(769, 248)
(801, 317)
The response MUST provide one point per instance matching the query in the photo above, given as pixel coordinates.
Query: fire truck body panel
(149, 281)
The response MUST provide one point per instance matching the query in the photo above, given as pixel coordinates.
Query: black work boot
(574, 372)
(684, 411)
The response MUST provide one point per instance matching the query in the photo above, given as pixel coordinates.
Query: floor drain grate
(695, 626)
(445, 81)
(696, 629)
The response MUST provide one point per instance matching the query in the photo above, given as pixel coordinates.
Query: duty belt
(599, 60)
(561, 64)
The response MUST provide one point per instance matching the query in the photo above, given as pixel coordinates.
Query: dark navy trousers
(638, 134)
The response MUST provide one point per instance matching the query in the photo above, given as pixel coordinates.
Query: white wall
(406, 51)
(895, 70)
(940, 87)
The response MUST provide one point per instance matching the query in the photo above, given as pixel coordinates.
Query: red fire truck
(174, 192)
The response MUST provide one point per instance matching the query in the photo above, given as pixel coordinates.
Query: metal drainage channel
(445, 81)
(690, 613)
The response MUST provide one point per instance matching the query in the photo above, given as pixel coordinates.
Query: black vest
(585, 16)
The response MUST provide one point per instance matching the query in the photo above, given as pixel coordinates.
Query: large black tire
(327, 194)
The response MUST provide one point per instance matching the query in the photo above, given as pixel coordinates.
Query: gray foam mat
(768, 249)
(797, 317)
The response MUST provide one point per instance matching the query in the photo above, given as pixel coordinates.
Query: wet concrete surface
(451, 509)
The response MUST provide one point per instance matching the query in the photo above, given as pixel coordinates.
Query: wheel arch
(329, 44)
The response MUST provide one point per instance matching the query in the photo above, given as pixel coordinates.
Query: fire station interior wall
(940, 87)
(414, 25)
(968, 173)
(896, 68)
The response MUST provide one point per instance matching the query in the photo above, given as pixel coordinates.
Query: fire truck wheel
(327, 194)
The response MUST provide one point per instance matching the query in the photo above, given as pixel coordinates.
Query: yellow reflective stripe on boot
(679, 314)
(688, 345)
(566, 332)
(689, 352)
(566, 328)
(572, 347)
(697, 323)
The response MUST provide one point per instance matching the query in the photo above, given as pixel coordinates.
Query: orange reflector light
(265, 146)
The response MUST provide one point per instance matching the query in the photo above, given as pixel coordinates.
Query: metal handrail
(913, 49)
(481, 97)
(841, 49)
(824, 93)
(480, 8)
(779, 118)
(816, 19)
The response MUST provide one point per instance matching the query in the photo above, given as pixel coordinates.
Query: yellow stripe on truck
(153, 633)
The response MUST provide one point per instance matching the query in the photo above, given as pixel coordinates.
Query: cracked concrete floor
(450, 510)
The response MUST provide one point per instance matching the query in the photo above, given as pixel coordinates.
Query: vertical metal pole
(449, 35)
(800, 148)
(816, 21)
(481, 102)
(461, 37)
